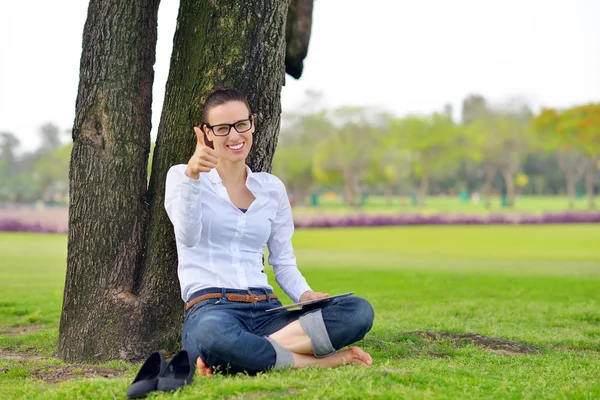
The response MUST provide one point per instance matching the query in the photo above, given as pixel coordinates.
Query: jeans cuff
(283, 357)
(314, 326)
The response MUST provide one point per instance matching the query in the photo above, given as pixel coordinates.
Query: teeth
(236, 147)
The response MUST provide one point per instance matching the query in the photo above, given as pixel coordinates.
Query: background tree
(555, 137)
(50, 135)
(345, 149)
(581, 124)
(498, 137)
(432, 143)
(122, 297)
(512, 129)
(389, 164)
(293, 161)
(8, 165)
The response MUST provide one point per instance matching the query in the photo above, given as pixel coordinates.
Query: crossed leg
(351, 320)
(293, 337)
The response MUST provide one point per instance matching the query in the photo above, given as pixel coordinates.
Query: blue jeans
(232, 337)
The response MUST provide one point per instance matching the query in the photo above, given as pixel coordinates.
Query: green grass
(444, 204)
(538, 285)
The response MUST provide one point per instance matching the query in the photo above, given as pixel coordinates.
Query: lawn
(442, 204)
(535, 285)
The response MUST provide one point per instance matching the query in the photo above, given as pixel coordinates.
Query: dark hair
(222, 95)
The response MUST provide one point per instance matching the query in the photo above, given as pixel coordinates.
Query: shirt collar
(214, 177)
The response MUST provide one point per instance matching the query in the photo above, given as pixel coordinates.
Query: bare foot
(202, 369)
(350, 356)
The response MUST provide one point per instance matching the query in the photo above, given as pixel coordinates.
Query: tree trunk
(423, 189)
(509, 181)
(571, 181)
(122, 298)
(590, 174)
(237, 43)
(511, 190)
(388, 194)
(573, 164)
(490, 171)
(297, 34)
(107, 211)
(350, 188)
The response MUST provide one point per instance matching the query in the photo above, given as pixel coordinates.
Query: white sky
(406, 56)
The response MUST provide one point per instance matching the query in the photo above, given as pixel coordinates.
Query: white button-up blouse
(218, 245)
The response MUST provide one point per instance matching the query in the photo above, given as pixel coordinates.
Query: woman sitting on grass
(223, 215)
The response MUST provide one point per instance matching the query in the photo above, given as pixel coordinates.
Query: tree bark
(592, 166)
(107, 211)
(122, 298)
(297, 33)
(237, 43)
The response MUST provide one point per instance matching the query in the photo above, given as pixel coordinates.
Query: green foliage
(432, 142)
(573, 135)
(534, 285)
(293, 160)
(33, 176)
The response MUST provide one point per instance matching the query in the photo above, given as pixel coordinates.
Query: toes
(202, 369)
(360, 355)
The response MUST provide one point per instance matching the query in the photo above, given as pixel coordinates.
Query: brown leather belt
(238, 298)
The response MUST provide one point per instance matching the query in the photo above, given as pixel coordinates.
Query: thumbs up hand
(204, 158)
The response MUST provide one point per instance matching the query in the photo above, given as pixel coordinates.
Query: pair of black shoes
(156, 374)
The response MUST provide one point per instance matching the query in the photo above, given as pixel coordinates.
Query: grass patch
(534, 285)
(443, 204)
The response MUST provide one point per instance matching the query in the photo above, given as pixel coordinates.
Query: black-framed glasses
(241, 126)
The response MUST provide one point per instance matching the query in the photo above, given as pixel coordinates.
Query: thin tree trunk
(490, 171)
(107, 211)
(388, 194)
(509, 181)
(350, 189)
(571, 181)
(423, 189)
(573, 164)
(590, 175)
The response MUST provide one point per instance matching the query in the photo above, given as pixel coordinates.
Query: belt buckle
(252, 297)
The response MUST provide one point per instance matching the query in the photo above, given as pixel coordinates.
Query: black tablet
(309, 302)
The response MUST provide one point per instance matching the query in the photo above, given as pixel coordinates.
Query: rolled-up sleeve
(183, 205)
(281, 252)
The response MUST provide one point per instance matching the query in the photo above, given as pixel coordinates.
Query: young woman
(223, 215)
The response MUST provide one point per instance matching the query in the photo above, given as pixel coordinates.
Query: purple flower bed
(15, 225)
(443, 219)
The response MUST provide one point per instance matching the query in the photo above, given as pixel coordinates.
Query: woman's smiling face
(235, 145)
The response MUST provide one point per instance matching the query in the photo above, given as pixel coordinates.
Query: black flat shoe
(178, 373)
(147, 378)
